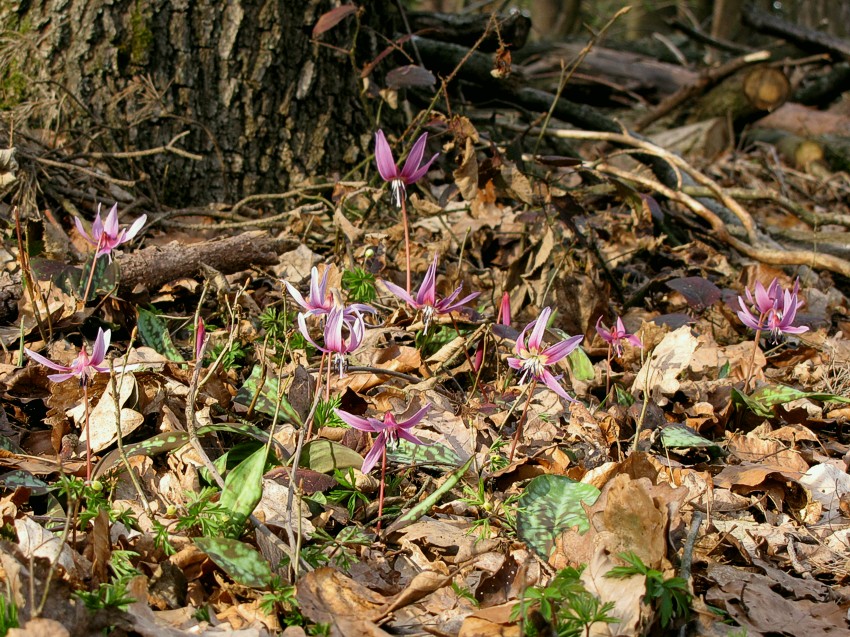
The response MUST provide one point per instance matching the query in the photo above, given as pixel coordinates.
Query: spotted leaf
(239, 560)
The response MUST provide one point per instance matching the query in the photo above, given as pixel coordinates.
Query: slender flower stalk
(389, 431)
(412, 172)
(615, 337)
(533, 359)
(84, 368)
(426, 299)
(774, 310)
(105, 237)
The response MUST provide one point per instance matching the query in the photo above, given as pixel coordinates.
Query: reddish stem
(381, 492)
(521, 422)
(406, 238)
(88, 431)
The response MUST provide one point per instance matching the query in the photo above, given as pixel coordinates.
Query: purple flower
(426, 299)
(335, 343)
(106, 235)
(616, 335)
(84, 366)
(533, 360)
(412, 171)
(388, 430)
(321, 301)
(200, 338)
(776, 309)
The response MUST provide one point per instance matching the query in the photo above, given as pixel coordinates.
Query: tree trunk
(267, 107)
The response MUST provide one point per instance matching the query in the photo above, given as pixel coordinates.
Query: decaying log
(467, 29)
(805, 122)
(151, 267)
(745, 96)
(804, 38)
(826, 88)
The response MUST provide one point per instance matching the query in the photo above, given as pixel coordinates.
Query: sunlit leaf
(679, 436)
(549, 506)
(239, 560)
(325, 455)
(436, 455)
(243, 488)
(266, 402)
(154, 333)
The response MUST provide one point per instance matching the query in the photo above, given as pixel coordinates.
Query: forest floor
(695, 480)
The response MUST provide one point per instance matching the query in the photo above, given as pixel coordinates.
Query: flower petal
(553, 384)
(61, 378)
(378, 448)
(402, 433)
(101, 344)
(363, 424)
(539, 330)
(302, 327)
(423, 169)
(556, 352)
(38, 358)
(133, 230)
(110, 226)
(515, 363)
(82, 231)
(415, 418)
(428, 290)
(402, 294)
(414, 158)
(384, 158)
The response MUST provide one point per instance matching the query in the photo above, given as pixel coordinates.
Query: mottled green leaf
(160, 443)
(20, 478)
(243, 488)
(580, 364)
(435, 456)
(763, 400)
(154, 333)
(325, 455)
(549, 506)
(239, 560)
(679, 436)
(104, 279)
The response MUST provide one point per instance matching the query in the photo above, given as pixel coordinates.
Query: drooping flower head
(504, 317)
(773, 309)
(107, 235)
(413, 169)
(389, 431)
(335, 342)
(532, 359)
(426, 299)
(616, 335)
(85, 366)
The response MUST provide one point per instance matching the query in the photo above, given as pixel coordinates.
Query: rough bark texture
(266, 105)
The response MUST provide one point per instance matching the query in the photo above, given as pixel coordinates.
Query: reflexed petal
(318, 290)
(378, 447)
(415, 418)
(556, 352)
(333, 332)
(360, 307)
(634, 340)
(97, 225)
(133, 230)
(621, 329)
(83, 233)
(539, 330)
(553, 384)
(363, 424)
(101, 344)
(763, 300)
(403, 433)
(515, 363)
(447, 305)
(414, 158)
(603, 332)
(427, 291)
(302, 327)
(747, 317)
(110, 226)
(295, 294)
(38, 358)
(384, 158)
(356, 334)
(60, 378)
(402, 294)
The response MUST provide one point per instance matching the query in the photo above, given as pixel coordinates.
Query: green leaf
(325, 456)
(434, 456)
(679, 436)
(762, 401)
(19, 478)
(154, 333)
(243, 489)
(549, 506)
(239, 560)
(580, 364)
(423, 507)
(267, 400)
(160, 443)
(104, 280)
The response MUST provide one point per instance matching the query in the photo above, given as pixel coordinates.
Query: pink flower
(426, 299)
(412, 171)
(84, 366)
(533, 361)
(321, 301)
(776, 309)
(504, 317)
(389, 431)
(615, 336)
(335, 343)
(106, 236)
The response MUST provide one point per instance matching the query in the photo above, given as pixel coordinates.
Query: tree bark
(266, 105)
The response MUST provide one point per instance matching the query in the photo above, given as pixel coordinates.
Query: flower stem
(608, 373)
(521, 422)
(406, 238)
(381, 492)
(91, 279)
(751, 368)
(88, 431)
